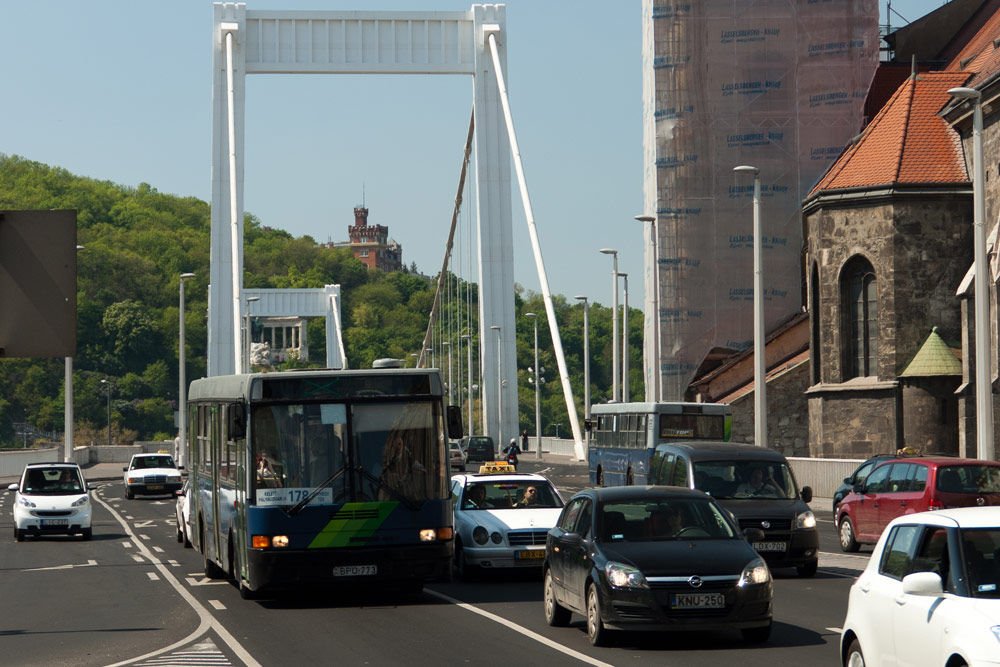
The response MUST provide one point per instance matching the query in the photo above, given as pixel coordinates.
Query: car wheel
(19, 535)
(187, 538)
(596, 632)
(129, 494)
(808, 569)
(180, 533)
(87, 533)
(847, 540)
(756, 635)
(555, 614)
(854, 657)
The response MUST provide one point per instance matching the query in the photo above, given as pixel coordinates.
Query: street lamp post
(468, 351)
(655, 389)
(615, 371)
(586, 362)
(68, 405)
(182, 379)
(500, 442)
(759, 365)
(625, 346)
(451, 399)
(538, 389)
(108, 383)
(250, 299)
(984, 376)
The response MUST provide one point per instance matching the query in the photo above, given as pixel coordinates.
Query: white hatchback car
(182, 512)
(502, 520)
(52, 498)
(930, 594)
(151, 474)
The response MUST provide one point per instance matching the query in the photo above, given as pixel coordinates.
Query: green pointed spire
(933, 358)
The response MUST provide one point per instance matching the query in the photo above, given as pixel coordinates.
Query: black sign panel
(37, 284)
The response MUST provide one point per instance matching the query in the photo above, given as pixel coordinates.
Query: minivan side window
(878, 481)
(898, 555)
(899, 477)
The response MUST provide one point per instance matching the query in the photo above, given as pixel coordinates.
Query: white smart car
(151, 474)
(930, 594)
(52, 498)
(502, 519)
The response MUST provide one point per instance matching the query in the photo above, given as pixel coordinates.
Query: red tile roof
(980, 54)
(907, 143)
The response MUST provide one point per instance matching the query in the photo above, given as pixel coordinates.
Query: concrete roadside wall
(12, 461)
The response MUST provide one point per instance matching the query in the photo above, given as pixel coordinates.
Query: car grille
(775, 524)
(44, 513)
(155, 479)
(527, 538)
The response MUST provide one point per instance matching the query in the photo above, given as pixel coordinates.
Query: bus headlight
(265, 541)
(279, 541)
(428, 535)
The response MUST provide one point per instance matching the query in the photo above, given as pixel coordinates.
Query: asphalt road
(133, 595)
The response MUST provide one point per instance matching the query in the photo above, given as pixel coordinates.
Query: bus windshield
(347, 452)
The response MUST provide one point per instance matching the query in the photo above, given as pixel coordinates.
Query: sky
(121, 91)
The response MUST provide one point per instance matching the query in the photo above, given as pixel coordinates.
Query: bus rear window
(702, 427)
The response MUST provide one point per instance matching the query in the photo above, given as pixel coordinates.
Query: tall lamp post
(538, 388)
(500, 442)
(182, 378)
(250, 299)
(68, 405)
(654, 389)
(625, 346)
(451, 399)
(468, 350)
(984, 384)
(108, 383)
(759, 367)
(586, 362)
(615, 371)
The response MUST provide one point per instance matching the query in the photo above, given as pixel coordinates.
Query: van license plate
(355, 570)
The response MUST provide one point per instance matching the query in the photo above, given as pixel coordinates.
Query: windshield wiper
(295, 509)
(381, 483)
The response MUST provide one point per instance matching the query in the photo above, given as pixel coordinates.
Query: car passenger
(475, 497)
(530, 498)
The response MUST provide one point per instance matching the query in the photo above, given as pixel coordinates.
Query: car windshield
(141, 462)
(52, 482)
(981, 551)
(969, 479)
(745, 479)
(521, 494)
(658, 519)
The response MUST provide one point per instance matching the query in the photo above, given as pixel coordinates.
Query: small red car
(913, 484)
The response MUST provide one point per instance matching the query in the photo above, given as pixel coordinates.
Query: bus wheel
(628, 478)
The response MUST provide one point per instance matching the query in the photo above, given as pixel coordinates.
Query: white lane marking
(174, 563)
(206, 620)
(138, 559)
(158, 550)
(145, 537)
(218, 605)
(129, 517)
(825, 521)
(837, 630)
(127, 545)
(204, 581)
(89, 563)
(153, 576)
(144, 524)
(530, 634)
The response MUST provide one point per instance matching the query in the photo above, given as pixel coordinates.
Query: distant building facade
(371, 244)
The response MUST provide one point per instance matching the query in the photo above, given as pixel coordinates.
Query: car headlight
(805, 520)
(135, 480)
(79, 502)
(480, 535)
(26, 502)
(755, 572)
(624, 576)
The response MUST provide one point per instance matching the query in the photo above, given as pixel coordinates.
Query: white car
(502, 519)
(52, 498)
(456, 456)
(930, 594)
(182, 511)
(151, 474)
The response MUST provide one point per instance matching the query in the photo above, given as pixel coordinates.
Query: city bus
(624, 435)
(314, 477)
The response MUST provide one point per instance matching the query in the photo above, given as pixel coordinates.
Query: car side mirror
(858, 488)
(125, 469)
(753, 535)
(180, 467)
(923, 583)
(12, 487)
(807, 494)
(848, 481)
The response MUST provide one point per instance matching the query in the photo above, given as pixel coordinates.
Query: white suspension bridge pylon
(367, 42)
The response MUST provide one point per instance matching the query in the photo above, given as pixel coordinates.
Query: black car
(757, 485)
(654, 558)
(479, 448)
(859, 475)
